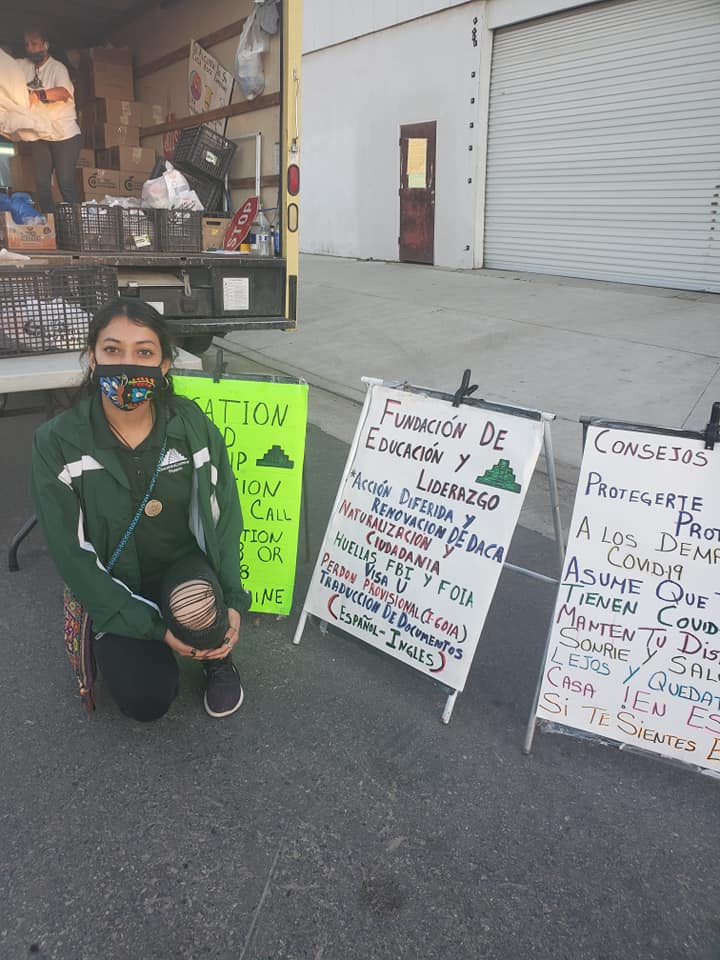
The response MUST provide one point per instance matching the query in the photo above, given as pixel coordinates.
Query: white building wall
(356, 95)
(369, 67)
(326, 22)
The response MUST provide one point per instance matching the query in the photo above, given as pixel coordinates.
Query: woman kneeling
(134, 492)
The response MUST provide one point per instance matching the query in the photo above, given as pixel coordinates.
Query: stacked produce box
(110, 119)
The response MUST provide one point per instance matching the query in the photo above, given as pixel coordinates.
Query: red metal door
(417, 192)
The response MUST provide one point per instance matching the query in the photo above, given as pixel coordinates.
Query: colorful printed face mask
(128, 386)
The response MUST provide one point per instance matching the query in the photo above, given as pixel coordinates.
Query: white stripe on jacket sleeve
(89, 548)
(77, 468)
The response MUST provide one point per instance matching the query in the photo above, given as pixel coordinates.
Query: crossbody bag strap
(143, 503)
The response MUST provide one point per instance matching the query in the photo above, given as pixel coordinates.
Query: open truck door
(204, 292)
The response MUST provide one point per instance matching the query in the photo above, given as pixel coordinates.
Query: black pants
(62, 157)
(142, 675)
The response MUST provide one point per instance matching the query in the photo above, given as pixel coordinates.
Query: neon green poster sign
(263, 424)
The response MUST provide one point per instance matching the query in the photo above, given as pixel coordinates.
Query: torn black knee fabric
(185, 573)
(193, 604)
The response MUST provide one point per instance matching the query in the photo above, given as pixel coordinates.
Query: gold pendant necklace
(153, 508)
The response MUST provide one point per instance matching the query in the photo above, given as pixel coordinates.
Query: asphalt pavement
(333, 817)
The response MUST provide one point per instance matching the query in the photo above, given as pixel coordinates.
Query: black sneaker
(224, 692)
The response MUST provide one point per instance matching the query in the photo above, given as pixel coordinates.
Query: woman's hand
(231, 638)
(219, 653)
(181, 648)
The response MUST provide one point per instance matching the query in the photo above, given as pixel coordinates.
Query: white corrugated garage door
(604, 144)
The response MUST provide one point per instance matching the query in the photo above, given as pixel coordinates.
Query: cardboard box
(152, 113)
(128, 113)
(22, 174)
(136, 159)
(22, 179)
(16, 236)
(74, 57)
(96, 184)
(109, 57)
(104, 135)
(86, 158)
(108, 74)
(131, 183)
(213, 232)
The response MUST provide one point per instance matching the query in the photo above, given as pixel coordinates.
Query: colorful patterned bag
(78, 644)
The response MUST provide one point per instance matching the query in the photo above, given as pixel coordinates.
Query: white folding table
(58, 371)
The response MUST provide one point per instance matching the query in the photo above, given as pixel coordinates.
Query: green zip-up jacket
(84, 505)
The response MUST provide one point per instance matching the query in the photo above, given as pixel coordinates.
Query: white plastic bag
(268, 15)
(155, 193)
(177, 185)
(249, 71)
(171, 191)
(188, 200)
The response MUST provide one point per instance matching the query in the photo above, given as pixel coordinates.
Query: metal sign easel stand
(711, 436)
(462, 395)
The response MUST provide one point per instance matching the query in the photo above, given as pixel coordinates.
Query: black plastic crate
(49, 309)
(179, 231)
(138, 229)
(200, 150)
(91, 227)
(210, 192)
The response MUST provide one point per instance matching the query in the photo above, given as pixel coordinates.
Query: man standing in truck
(51, 89)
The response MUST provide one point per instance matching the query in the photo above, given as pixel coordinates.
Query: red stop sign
(170, 139)
(240, 224)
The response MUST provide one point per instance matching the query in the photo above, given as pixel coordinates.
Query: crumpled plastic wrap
(171, 191)
(42, 325)
(18, 120)
(129, 203)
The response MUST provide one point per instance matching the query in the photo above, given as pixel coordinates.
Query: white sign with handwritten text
(634, 652)
(421, 528)
(209, 86)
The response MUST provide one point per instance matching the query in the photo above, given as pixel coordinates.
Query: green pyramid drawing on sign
(502, 476)
(276, 457)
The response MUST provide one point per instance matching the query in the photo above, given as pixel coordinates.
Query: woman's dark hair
(140, 313)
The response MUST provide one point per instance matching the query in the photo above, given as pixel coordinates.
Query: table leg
(16, 541)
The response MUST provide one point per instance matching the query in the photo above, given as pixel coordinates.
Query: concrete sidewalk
(570, 347)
